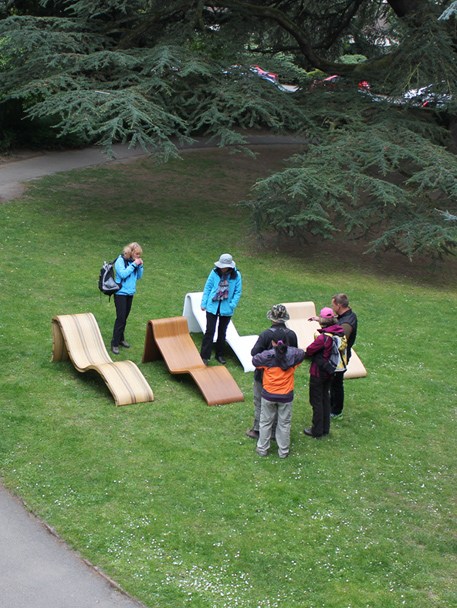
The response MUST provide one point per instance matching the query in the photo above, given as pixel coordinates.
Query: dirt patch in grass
(237, 171)
(351, 256)
(228, 178)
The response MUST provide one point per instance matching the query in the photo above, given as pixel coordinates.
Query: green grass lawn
(169, 497)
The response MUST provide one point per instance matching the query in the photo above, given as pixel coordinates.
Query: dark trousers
(123, 305)
(319, 398)
(337, 393)
(207, 343)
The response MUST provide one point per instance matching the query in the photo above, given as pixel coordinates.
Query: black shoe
(221, 359)
(124, 344)
(253, 434)
(205, 361)
(115, 349)
(310, 433)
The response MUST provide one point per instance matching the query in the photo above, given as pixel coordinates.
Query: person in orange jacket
(278, 365)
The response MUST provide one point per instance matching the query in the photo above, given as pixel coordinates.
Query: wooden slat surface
(78, 338)
(170, 339)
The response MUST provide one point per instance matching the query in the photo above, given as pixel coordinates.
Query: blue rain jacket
(127, 276)
(227, 306)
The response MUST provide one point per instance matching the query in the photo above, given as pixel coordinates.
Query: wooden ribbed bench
(170, 339)
(78, 338)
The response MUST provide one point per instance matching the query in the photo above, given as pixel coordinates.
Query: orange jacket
(278, 375)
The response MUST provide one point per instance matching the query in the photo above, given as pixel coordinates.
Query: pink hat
(326, 313)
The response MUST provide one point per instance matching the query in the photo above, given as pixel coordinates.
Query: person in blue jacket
(129, 269)
(221, 295)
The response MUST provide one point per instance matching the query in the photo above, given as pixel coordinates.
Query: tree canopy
(153, 73)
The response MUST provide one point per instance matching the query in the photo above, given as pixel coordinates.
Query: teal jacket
(127, 274)
(234, 293)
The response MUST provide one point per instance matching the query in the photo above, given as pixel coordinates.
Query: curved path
(38, 570)
(13, 175)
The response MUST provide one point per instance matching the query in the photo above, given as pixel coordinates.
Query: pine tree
(155, 73)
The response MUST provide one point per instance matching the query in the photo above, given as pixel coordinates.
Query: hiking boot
(115, 350)
(252, 434)
(310, 433)
(124, 344)
(221, 359)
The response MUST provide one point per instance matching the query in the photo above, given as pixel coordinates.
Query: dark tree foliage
(155, 73)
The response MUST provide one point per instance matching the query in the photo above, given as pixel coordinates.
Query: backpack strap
(119, 282)
(324, 333)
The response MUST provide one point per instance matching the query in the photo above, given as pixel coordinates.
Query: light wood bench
(77, 337)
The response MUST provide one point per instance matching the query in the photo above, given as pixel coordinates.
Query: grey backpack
(337, 362)
(106, 282)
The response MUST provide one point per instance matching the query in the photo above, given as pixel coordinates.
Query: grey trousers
(257, 390)
(267, 416)
(257, 393)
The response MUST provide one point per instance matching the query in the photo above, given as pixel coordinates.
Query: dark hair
(281, 341)
(231, 275)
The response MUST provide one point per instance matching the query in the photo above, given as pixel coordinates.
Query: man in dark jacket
(348, 320)
(278, 316)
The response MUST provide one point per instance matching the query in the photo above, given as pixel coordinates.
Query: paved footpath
(37, 570)
(14, 174)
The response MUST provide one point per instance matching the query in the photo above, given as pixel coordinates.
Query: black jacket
(349, 318)
(264, 342)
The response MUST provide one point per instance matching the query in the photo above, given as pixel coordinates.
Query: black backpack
(106, 282)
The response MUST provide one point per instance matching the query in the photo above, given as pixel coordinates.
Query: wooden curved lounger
(78, 338)
(170, 339)
(196, 319)
(299, 313)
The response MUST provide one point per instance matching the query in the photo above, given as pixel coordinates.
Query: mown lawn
(169, 497)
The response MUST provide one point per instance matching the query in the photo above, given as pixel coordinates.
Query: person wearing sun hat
(319, 380)
(221, 295)
(278, 316)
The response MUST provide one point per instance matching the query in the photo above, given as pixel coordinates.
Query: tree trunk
(405, 8)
